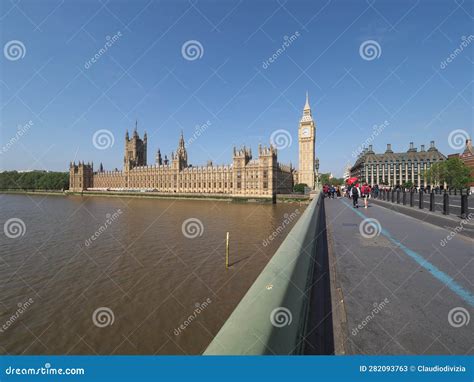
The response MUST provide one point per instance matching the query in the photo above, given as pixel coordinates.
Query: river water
(109, 275)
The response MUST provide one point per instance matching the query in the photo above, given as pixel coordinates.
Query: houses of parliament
(245, 176)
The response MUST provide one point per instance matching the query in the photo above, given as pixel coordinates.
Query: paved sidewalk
(406, 288)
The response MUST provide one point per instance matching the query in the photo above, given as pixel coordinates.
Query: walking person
(354, 193)
(366, 194)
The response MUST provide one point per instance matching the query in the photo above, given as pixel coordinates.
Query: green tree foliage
(408, 184)
(34, 180)
(324, 178)
(299, 187)
(452, 171)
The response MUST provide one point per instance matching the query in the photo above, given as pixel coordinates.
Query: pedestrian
(366, 194)
(354, 193)
(326, 190)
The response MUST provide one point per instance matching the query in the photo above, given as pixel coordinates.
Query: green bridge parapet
(274, 315)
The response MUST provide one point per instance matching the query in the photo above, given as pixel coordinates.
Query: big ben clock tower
(306, 140)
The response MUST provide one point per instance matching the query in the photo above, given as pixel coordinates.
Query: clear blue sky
(144, 76)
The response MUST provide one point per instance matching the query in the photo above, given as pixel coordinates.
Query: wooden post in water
(227, 251)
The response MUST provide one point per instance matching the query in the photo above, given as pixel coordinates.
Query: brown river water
(108, 275)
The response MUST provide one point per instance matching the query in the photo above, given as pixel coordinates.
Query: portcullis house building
(395, 169)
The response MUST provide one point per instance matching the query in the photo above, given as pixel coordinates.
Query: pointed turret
(158, 158)
(307, 116)
(135, 131)
(127, 136)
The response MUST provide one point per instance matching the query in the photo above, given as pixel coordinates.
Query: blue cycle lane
(406, 289)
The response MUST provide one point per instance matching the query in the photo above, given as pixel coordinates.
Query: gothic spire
(307, 110)
(306, 106)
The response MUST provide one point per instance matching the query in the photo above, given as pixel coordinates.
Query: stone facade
(261, 177)
(306, 140)
(395, 169)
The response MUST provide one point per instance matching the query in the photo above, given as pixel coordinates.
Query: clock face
(305, 132)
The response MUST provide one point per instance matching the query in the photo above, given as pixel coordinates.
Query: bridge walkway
(405, 287)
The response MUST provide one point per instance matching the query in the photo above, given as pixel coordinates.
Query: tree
(453, 171)
(324, 178)
(408, 184)
(299, 187)
(34, 180)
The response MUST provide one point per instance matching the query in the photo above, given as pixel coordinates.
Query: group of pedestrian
(355, 191)
(331, 191)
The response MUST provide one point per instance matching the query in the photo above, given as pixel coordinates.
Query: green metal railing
(272, 317)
